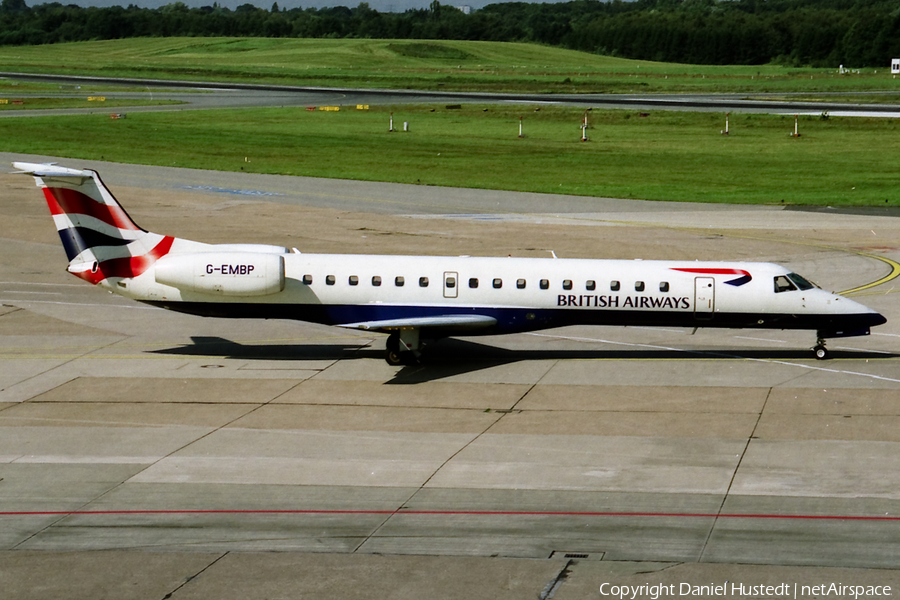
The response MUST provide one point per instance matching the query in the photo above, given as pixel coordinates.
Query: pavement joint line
(277, 396)
(737, 467)
(195, 576)
(400, 510)
(63, 364)
(453, 513)
(554, 584)
(891, 356)
(253, 407)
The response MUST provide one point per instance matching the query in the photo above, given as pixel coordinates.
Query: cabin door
(451, 284)
(704, 297)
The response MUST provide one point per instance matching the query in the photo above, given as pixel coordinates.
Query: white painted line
(862, 350)
(581, 339)
(31, 283)
(21, 301)
(735, 356)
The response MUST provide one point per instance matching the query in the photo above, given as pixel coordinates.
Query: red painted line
(711, 271)
(448, 513)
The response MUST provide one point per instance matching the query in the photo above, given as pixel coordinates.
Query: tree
(13, 6)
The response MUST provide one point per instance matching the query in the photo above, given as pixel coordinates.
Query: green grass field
(411, 64)
(664, 156)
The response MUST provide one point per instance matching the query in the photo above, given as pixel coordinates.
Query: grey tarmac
(146, 454)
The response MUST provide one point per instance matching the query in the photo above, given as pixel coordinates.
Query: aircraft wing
(445, 322)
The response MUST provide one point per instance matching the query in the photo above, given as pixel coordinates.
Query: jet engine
(223, 273)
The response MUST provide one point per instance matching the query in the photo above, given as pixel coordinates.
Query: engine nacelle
(223, 273)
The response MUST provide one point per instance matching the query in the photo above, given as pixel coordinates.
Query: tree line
(819, 33)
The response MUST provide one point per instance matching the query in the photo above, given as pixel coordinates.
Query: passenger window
(498, 283)
(423, 282)
(545, 284)
(520, 284)
(639, 286)
(376, 280)
(567, 284)
(783, 284)
(664, 286)
(451, 282)
(591, 285)
(399, 281)
(329, 280)
(615, 286)
(354, 280)
(307, 279)
(473, 282)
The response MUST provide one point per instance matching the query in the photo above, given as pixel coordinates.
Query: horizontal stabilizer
(444, 322)
(49, 170)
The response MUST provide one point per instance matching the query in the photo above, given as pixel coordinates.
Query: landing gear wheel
(396, 358)
(393, 343)
(397, 355)
(821, 352)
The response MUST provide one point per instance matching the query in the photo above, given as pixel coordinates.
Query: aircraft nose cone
(877, 319)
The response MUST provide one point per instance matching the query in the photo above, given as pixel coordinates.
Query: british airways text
(589, 301)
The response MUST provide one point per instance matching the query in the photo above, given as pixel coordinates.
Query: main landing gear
(820, 350)
(403, 348)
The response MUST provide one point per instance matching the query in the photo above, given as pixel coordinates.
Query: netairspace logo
(783, 590)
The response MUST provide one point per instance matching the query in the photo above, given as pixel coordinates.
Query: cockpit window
(800, 282)
(783, 284)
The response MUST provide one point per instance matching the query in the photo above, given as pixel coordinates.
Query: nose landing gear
(820, 350)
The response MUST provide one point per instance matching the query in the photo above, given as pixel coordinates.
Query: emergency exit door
(451, 284)
(704, 297)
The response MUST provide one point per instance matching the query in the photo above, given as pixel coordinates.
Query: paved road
(174, 448)
(205, 95)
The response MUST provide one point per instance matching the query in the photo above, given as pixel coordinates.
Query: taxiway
(177, 449)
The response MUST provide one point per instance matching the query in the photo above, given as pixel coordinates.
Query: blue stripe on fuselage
(515, 320)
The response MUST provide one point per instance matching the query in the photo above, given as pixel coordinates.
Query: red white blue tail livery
(417, 298)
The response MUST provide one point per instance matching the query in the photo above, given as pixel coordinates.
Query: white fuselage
(520, 293)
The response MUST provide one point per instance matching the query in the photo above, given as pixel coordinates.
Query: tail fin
(100, 239)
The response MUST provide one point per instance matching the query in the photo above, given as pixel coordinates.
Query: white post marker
(584, 125)
(726, 124)
(391, 128)
(796, 126)
(520, 127)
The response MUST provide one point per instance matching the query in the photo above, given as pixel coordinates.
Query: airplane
(418, 298)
